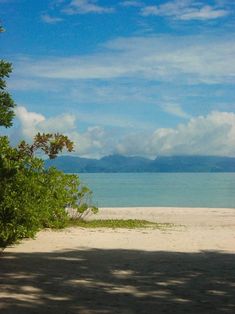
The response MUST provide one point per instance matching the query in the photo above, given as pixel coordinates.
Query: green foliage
(50, 144)
(32, 197)
(6, 102)
(119, 223)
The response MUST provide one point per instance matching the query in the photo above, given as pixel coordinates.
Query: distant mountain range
(118, 163)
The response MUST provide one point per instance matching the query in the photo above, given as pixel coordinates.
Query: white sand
(194, 229)
(187, 268)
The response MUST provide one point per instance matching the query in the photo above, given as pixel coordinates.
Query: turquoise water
(162, 189)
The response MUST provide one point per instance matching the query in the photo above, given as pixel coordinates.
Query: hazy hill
(118, 163)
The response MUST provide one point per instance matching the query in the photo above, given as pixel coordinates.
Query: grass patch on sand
(118, 223)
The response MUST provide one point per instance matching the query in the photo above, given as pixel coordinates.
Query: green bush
(32, 197)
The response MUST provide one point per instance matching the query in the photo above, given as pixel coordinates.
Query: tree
(31, 196)
(6, 102)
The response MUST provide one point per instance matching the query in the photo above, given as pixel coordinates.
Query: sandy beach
(186, 268)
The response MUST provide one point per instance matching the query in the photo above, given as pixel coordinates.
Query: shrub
(32, 197)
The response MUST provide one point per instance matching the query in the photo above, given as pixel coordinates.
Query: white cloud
(95, 142)
(92, 142)
(50, 19)
(213, 134)
(29, 84)
(204, 13)
(131, 3)
(86, 7)
(175, 109)
(30, 121)
(62, 123)
(161, 58)
(114, 92)
(116, 121)
(185, 10)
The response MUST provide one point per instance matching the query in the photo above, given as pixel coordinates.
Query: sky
(137, 78)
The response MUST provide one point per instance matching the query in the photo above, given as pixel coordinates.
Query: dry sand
(188, 268)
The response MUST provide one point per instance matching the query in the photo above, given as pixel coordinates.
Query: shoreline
(165, 207)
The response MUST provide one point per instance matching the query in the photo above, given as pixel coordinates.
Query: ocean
(161, 189)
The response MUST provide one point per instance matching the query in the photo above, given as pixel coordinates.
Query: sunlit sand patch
(123, 273)
(216, 292)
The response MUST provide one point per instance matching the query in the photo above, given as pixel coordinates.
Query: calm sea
(162, 189)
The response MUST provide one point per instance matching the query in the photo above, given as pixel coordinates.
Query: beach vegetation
(32, 196)
(6, 102)
(118, 223)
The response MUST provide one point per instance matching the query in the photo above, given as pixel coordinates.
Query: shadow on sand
(117, 281)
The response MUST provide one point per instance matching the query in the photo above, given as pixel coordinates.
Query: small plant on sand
(118, 223)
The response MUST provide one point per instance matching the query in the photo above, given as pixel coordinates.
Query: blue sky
(141, 78)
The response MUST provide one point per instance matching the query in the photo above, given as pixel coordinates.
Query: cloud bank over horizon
(209, 135)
